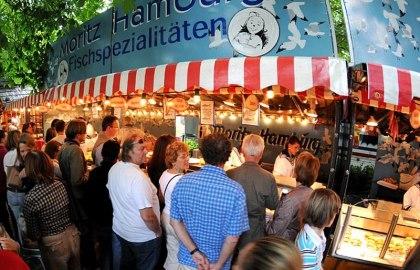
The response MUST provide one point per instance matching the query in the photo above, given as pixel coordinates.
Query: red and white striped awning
(297, 74)
(391, 85)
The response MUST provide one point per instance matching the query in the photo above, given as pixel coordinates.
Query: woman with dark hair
(51, 149)
(51, 133)
(47, 215)
(286, 220)
(157, 165)
(16, 184)
(3, 180)
(284, 164)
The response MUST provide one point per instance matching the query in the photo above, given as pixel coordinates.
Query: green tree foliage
(340, 29)
(29, 27)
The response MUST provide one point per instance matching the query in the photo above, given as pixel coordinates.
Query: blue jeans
(15, 201)
(139, 256)
(116, 251)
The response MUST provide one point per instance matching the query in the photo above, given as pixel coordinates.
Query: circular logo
(253, 31)
(63, 72)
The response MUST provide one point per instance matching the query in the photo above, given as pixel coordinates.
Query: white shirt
(59, 138)
(131, 190)
(169, 186)
(98, 155)
(412, 198)
(282, 167)
(10, 159)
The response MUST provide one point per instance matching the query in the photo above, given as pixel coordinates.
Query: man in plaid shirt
(208, 210)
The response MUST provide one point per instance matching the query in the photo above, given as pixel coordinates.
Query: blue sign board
(384, 32)
(170, 31)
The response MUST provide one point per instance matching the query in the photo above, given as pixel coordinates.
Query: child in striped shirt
(322, 207)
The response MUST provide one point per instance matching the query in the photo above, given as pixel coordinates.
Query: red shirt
(11, 261)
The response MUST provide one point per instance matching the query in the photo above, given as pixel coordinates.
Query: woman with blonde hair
(177, 162)
(323, 205)
(269, 253)
(287, 217)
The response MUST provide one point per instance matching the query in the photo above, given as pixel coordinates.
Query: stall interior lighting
(280, 119)
(152, 101)
(311, 113)
(48, 104)
(81, 101)
(372, 122)
(264, 105)
(107, 102)
(305, 122)
(197, 98)
(270, 93)
(143, 101)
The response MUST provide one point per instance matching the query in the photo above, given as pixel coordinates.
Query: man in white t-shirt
(412, 196)
(135, 208)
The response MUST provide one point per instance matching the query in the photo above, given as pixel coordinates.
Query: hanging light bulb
(98, 108)
(62, 98)
(372, 122)
(270, 93)
(85, 109)
(304, 122)
(107, 102)
(143, 101)
(267, 120)
(81, 101)
(48, 104)
(197, 98)
(222, 115)
(152, 101)
(290, 120)
(232, 117)
(280, 119)
(311, 113)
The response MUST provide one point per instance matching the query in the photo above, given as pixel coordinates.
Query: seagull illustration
(294, 40)
(384, 43)
(371, 49)
(415, 44)
(401, 6)
(392, 20)
(269, 6)
(387, 3)
(294, 11)
(313, 30)
(216, 40)
(399, 52)
(407, 31)
(361, 26)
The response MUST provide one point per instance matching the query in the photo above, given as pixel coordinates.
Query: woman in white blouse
(284, 163)
(177, 162)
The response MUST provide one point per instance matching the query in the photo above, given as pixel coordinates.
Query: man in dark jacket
(99, 206)
(74, 170)
(259, 186)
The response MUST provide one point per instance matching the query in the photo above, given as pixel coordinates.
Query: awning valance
(251, 73)
(392, 85)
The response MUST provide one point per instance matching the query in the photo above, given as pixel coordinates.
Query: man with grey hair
(135, 208)
(259, 186)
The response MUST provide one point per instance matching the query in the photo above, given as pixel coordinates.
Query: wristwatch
(194, 251)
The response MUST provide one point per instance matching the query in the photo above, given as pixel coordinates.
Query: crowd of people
(133, 213)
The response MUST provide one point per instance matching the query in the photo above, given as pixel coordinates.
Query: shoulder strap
(169, 183)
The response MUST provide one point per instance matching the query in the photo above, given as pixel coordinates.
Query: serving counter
(381, 235)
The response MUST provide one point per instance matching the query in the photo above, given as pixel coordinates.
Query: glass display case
(381, 234)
